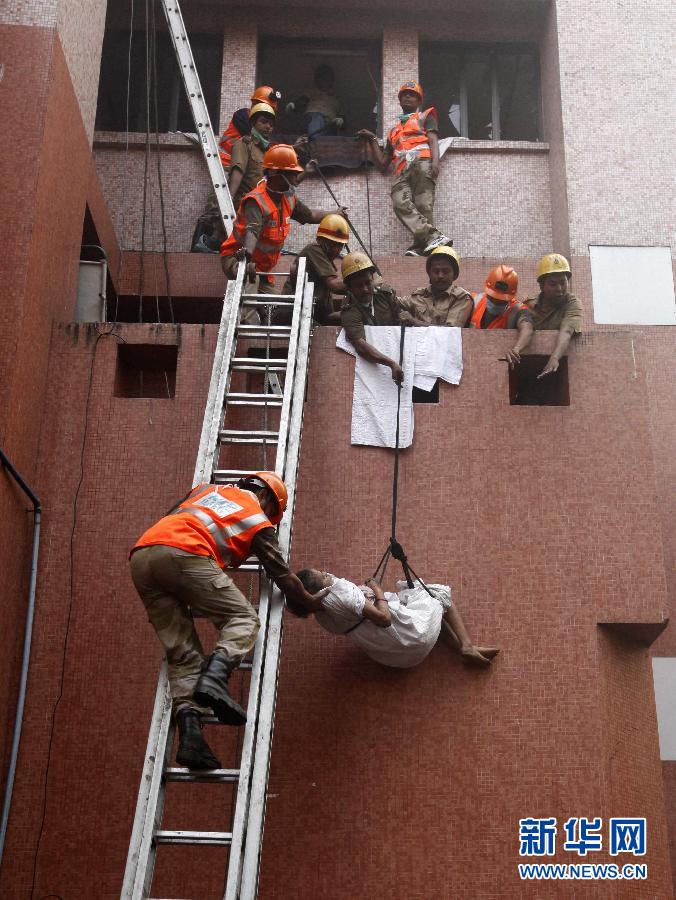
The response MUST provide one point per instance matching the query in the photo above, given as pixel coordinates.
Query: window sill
(461, 145)
(177, 139)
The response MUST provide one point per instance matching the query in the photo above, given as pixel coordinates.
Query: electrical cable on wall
(52, 728)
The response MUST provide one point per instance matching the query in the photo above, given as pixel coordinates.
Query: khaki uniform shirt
(319, 267)
(453, 307)
(552, 316)
(381, 309)
(247, 156)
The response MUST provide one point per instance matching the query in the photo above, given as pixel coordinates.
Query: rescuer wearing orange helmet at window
(240, 124)
(264, 216)
(497, 307)
(440, 302)
(177, 567)
(413, 145)
(332, 236)
(555, 308)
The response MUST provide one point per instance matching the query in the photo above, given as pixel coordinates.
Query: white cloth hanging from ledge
(429, 353)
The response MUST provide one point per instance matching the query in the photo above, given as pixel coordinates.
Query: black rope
(394, 548)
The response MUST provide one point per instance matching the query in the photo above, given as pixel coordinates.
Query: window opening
(420, 396)
(173, 109)
(352, 69)
(483, 92)
(146, 370)
(526, 389)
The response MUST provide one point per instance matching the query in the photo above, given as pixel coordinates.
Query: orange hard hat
(266, 94)
(278, 488)
(502, 283)
(411, 86)
(281, 157)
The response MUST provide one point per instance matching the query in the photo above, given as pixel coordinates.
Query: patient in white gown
(393, 629)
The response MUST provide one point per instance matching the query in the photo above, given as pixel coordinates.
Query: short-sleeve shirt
(247, 156)
(553, 316)
(382, 308)
(431, 123)
(253, 215)
(319, 267)
(453, 307)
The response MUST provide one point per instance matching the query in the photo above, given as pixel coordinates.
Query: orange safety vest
(500, 321)
(411, 136)
(276, 227)
(214, 520)
(228, 138)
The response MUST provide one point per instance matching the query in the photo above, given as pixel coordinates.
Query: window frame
(465, 48)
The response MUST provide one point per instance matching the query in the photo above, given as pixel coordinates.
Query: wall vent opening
(146, 370)
(526, 389)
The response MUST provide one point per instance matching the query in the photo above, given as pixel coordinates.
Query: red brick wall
(399, 783)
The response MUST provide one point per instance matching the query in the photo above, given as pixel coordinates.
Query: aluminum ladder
(200, 113)
(251, 774)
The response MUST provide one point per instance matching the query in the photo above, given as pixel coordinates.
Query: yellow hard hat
(445, 251)
(334, 228)
(258, 108)
(551, 263)
(355, 262)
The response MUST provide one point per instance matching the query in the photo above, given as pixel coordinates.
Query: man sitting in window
(555, 308)
(320, 104)
(413, 145)
(439, 303)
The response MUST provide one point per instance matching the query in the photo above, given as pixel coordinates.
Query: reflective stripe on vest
(409, 141)
(500, 321)
(275, 230)
(232, 530)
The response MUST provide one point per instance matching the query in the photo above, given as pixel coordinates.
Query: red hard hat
(278, 488)
(502, 283)
(411, 86)
(266, 94)
(281, 157)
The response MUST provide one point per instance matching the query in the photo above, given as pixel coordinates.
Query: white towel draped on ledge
(429, 353)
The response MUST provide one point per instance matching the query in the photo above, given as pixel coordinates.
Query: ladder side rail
(207, 454)
(138, 872)
(239, 826)
(266, 713)
(198, 107)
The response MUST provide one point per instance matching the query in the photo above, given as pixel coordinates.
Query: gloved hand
(339, 122)
(290, 107)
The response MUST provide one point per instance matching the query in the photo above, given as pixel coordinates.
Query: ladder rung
(248, 437)
(269, 400)
(269, 298)
(210, 775)
(249, 567)
(264, 330)
(273, 300)
(248, 368)
(205, 838)
(260, 362)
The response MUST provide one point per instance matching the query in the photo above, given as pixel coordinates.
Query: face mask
(405, 117)
(495, 308)
(264, 142)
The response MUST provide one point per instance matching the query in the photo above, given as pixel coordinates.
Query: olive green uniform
(381, 308)
(452, 307)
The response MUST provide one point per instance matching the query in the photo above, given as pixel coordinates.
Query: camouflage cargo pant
(412, 195)
(173, 585)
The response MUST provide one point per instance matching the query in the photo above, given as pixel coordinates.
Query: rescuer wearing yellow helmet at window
(367, 303)
(332, 236)
(555, 308)
(439, 303)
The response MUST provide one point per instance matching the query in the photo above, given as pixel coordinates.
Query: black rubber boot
(212, 690)
(193, 751)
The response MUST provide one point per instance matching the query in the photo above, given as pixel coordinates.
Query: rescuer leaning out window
(177, 567)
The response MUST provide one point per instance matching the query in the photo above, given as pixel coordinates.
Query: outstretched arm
(525, 329)
(381, 159)
(368, 351)
(562, 342)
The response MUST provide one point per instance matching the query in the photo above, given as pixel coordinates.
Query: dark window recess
(483, 92)
(526, 389)
(420, 396)
(146, 370)
(173, 112)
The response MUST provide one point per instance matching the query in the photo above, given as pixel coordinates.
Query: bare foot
(473, 657)
(489, 652)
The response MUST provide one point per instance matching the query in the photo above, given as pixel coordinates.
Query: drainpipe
(28, 634)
